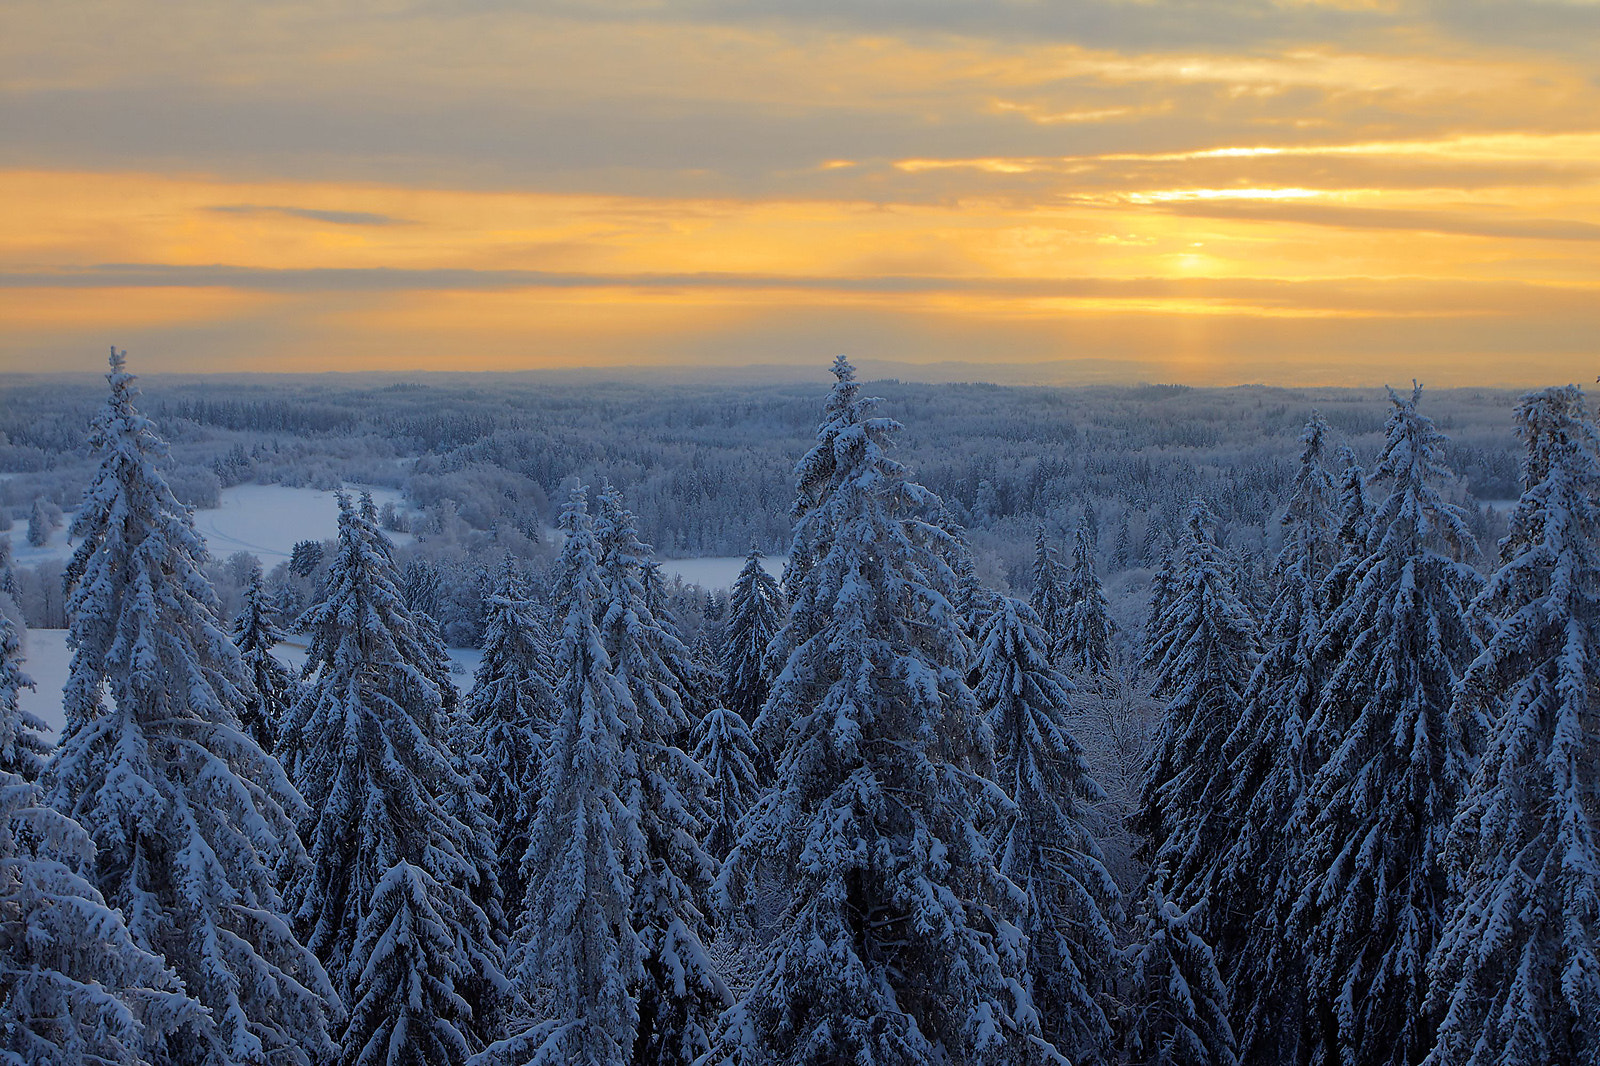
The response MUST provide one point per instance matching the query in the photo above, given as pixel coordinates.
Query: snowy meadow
(500, 720)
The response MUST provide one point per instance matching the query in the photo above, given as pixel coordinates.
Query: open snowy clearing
(715, 573)
(718, 572)
(264, 520)
(47, 661)
(268, 520)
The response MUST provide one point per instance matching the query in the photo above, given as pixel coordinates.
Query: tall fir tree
(681, 994)
(8, 576)
(512, 710)
(407, 1008)
(1250, 885)
(1203, 655)
(1045, 849)
(580, 954)
(699, 682)
(1371, 875)
(727, 753)
(256, 633)
(899, 942)
(75, 989)
(39, 525)
(1085, 645)
(970, 597)
(1049, 596)
(422, 587)
(188, 815)
(1517, 966)
(1163, 584)
(367, 738)
(755, 613)
(24, 743)
(1150, 552)
(1177, 1003)
(1355, 525)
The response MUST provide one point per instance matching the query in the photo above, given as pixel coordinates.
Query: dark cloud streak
(311, 214)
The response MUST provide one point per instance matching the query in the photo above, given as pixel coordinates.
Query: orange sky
(1351, 191)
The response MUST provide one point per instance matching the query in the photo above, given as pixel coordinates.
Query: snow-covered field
(268, 520)
(715, 573)
(45, 660)
(718, 572)
(265, 520)
(48, 658)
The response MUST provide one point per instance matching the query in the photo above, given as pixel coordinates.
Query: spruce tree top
(362, 620)
(1412, 466)
(895, 945)
(136, 577)
(1309, 520)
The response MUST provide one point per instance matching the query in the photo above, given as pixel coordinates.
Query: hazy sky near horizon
(1208, 191)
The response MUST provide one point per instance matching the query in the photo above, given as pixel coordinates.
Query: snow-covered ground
(265, 520)
(268, 520)
(48, 659)
(45, 660)
(718, 572)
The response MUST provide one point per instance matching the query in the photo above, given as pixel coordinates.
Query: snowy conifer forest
(1101, 726)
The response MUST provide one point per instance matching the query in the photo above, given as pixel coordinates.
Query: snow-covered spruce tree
(681, 994)
(973, 600)
(1177, 1003)
(899, 944)
(408, 1005)
(369, 753)
(1310, 521)
(8, 575)
(1044, 847)
(1250, 884)
(464, 795)
(188, 815)
(256, 633)
(1084, 649)
(700, 682)
(1204, 652)
(511, 709)
(39, 524)
(1049, 596)
(1122, 547)
(1163, 583)
(421, 591)
(1355, 524)
(707, 651)
(1517, 966)
(579, 954)
(725, 750)
(23, 743)
(420, 587)
(1371, 872)
(75, 989)
(755, 613)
